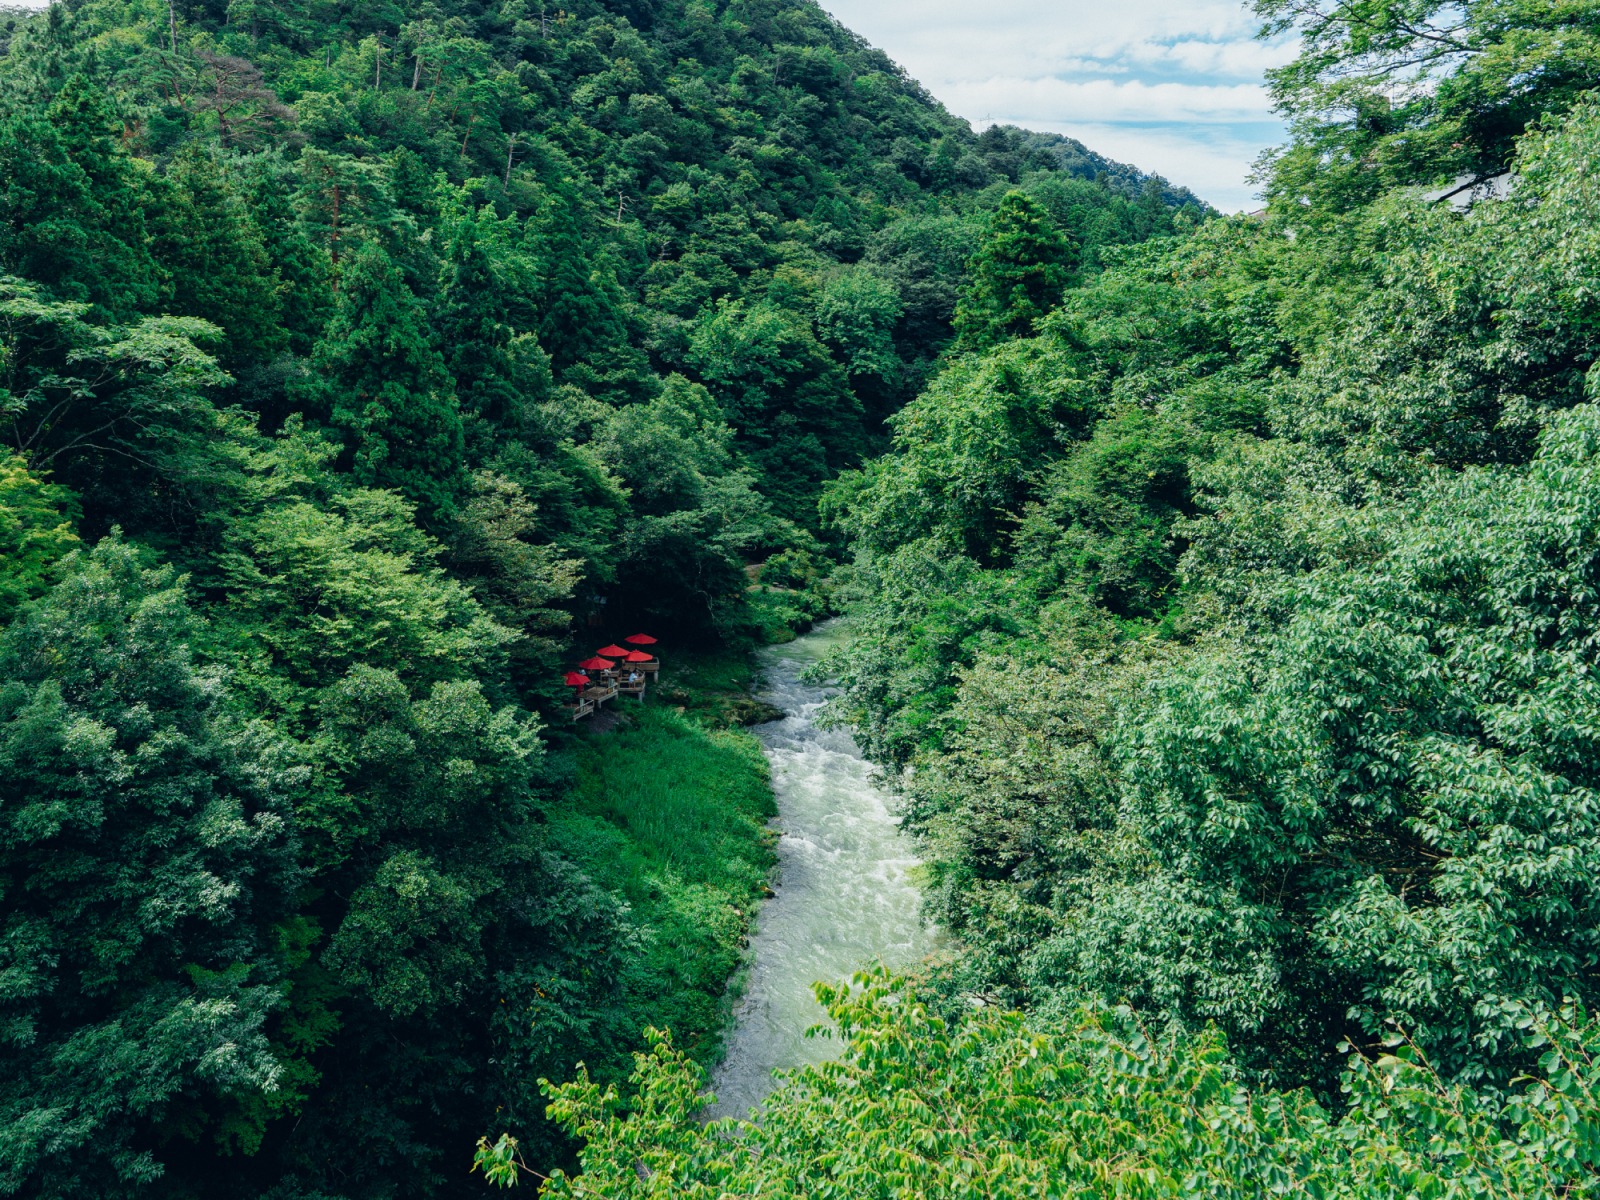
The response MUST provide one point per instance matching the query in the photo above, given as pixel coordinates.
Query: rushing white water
(844, 893)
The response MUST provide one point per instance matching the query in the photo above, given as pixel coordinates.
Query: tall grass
(671, 816)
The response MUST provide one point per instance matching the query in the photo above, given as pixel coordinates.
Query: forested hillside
(353, 359)
(1230, 622)
(1239, 625)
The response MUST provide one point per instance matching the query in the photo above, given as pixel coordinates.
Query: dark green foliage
(77, 393)
(207, 238)
(72, 212)
(386, 389)
(780, 388)
(145, 847)
(1016, 277)
(498, 374)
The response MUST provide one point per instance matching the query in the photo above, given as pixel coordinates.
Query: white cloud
(1174, 88)
(1109, 101)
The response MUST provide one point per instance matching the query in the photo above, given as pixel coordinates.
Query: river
(845, 896)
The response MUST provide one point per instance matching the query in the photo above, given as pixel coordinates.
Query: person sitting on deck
(633, 679)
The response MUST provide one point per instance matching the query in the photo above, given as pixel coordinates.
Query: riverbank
(667, 808)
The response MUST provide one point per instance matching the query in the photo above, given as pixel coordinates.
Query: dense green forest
(357, 362)
(1224, 594)
(1229, 619)
(1242, 619)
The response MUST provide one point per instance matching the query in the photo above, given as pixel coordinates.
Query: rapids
(845, 896)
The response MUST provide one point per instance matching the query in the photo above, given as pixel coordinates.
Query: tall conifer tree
(1017, 275)
(473, 331)
(389, 392)
(208, 240)
(72, 205)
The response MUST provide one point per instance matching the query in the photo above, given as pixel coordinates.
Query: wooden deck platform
(609, 686)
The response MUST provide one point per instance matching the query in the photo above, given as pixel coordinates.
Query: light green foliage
(992, 1106)
(35, 534)
(857, 314)
(974, 442)
(314, 591)
(145, 843)
(1384, 93)
(1406, 765)
(519, 580)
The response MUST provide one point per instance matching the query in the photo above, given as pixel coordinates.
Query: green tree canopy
(145, 847)
(386, 388)
(1017, 275)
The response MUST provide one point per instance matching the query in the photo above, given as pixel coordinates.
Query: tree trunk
(333, 238)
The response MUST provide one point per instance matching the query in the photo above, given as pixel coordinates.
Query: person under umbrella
(640, 663)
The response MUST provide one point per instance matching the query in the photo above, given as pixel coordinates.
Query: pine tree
(1016, 277)
(72, 206)
(303, 268)
(208, 240)
(493, 381)
(584, 316)
(387, 388)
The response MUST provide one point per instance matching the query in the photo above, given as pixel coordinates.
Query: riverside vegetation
(1230, 584)
(351, 357)
(1229, 617)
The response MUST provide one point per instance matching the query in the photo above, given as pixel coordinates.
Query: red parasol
(636, 656)
(576, 679)
(640, 639)
(597, 664)
(612, 651)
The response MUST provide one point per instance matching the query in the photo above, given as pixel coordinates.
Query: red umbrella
(597, 664)
(636, 656)
(612, 651)
(640, 639)
(576, 679)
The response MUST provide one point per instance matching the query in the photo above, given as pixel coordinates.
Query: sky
(1171, 86)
